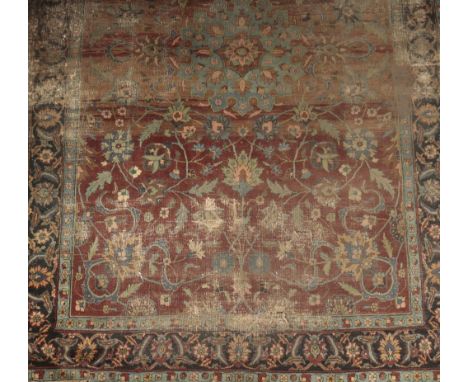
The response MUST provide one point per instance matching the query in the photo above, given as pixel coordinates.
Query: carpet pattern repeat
(243, 190)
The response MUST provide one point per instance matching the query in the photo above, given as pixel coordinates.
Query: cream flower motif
(242, 173)
(134, 172)
(326, 193)
(356, 253)
(238, 350)
(355, 194)
(125, 253)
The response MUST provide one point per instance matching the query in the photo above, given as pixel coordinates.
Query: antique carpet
(234, 190)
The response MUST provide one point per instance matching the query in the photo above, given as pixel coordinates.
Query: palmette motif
(230, 177)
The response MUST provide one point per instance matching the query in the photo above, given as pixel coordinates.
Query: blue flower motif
(200, 147)
(223, 262)
(218, 127)
(259, 263)
(266, 126)
(216, 151)
(268, 151)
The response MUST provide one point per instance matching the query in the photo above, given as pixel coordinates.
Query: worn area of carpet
(241, 190)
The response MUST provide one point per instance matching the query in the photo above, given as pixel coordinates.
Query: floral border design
(307, 353)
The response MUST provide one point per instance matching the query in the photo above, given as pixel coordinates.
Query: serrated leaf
(298, 217)
(98, 184)
(181, 218)
(152, 269)
(93, 248)
(382, 182)
(150, 129)
(388, 246)
(351, 290)
(329, 128)
(278, 189)
(132, 288)
(196, 247)
(203, 188)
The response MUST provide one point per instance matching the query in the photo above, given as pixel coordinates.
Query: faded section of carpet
(234, 191)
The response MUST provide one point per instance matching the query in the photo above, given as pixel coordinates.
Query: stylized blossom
(242, 52)
(134, 172)
(390, 350)
(200, 351)
(86, 350)
(259, 263)
(356, 253)
(326, 193)
(48, 116)
(345, 169)
(36, 318)
(161, 349)
(354, 194)
(431, 191)
(217, 127)
(266, 126)
(360, 144)
(39, 277)
(223, 262)
(276, 351)
(425, 346)
(304, 113)
(427, 113)
(42, 236)
(117, 146)
(315, 349)
(125, 253)
(238, 350)
(242, 173)
(178, 113)
(123, 195)
(44, 193)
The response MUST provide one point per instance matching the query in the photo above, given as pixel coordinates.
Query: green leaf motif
(150, 129)
(181, 218)
(382, 182)
(93, 249)
(329, 128)
(155, 160)
(278, 189)
(131, 289)
(203, 188)
(98, 184)
(388, 246)
(351, 290)
(298, 217)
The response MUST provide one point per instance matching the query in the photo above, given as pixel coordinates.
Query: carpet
(234, 190)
